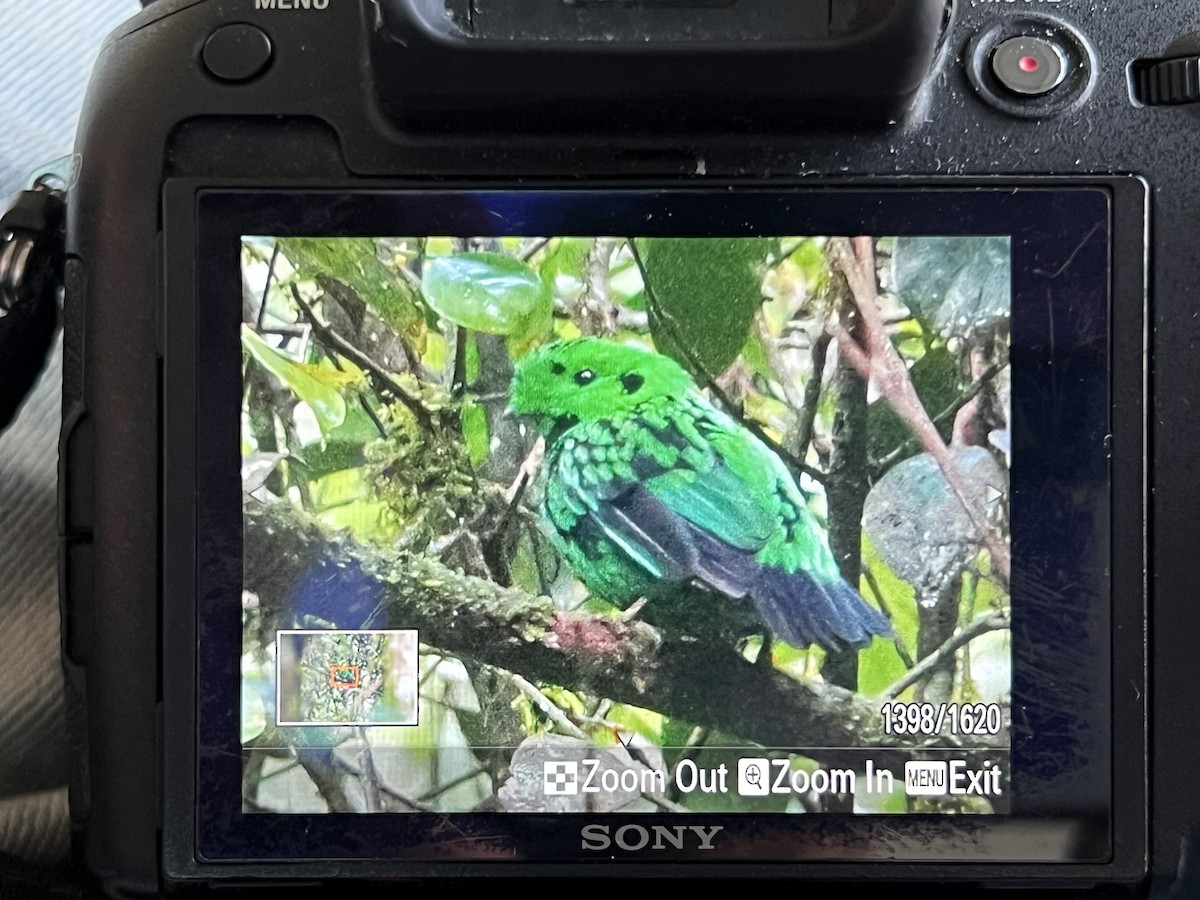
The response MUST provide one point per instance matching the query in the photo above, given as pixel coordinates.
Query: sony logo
(291, 4)
(636, 837)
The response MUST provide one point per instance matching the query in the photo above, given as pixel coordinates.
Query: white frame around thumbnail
(326, 632)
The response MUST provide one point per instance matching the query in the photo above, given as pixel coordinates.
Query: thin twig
(322, 770)
(252, 776)
(547, 707)
(534, 249)
(873, 584)
(369, 777)
(262, 307)
(517, 493)
(530, 466)
(378, 374)
(634, 609)
(404, 798)
(451, 784)
(410, 277)
(990, 621)
(287, 331)
(281, 770)
(428, 673)
(458, 380)
(362, 401)
(812, 395)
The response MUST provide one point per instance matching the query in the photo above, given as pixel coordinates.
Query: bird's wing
(671, 547)
(698, 514)
(732, 495)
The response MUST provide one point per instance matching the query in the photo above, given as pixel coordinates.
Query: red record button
(1029, 66)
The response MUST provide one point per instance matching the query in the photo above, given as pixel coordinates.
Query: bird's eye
(632, 383)
(558, 368)
(585, 377)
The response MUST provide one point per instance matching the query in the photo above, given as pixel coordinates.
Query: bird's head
(588, 379)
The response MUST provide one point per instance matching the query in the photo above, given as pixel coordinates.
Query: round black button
(1030, 66)
(237, 52)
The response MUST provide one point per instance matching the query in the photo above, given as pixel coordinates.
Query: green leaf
(318, 460)
(489, 292)
(777, 417)
(754, 355)
(959, 284)
(339, 489)
(703, 293)
(475, 433)
(627, 286)
(879, 664)
(343, 446)
(809, 257)
(645, 722)
(310, 383)
(343, 501)
(937, 377)
(357, 429)
(437, 352)
(354, 263)
(566, 256)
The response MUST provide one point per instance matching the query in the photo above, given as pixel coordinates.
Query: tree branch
(876, 357)
(812, 395)
(991, 621)
(266, 294)
(626, 661)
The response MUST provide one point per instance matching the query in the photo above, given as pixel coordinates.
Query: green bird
(650, 488)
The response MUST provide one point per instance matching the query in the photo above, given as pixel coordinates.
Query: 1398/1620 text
(942, 718)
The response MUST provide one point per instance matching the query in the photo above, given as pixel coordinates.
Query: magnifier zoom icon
(753, 776)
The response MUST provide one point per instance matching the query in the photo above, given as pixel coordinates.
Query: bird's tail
(802, 610)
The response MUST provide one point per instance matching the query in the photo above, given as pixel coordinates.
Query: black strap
(26, 334)
(31, 260)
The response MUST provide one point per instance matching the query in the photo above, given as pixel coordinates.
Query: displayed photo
(346, 678)
(624, 524)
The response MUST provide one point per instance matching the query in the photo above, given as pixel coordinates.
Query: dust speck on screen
(624, 524)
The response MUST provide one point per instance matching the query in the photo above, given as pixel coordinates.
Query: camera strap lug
(31, 274)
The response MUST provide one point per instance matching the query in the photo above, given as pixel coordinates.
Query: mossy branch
(628, 662)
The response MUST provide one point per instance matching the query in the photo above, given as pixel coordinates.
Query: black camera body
(211, 120)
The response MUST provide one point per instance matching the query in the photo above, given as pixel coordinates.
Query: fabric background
(47, 48)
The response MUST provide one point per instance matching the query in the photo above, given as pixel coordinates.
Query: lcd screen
(625, 524)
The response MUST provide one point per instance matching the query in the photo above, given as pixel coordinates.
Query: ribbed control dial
(1167, 82)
